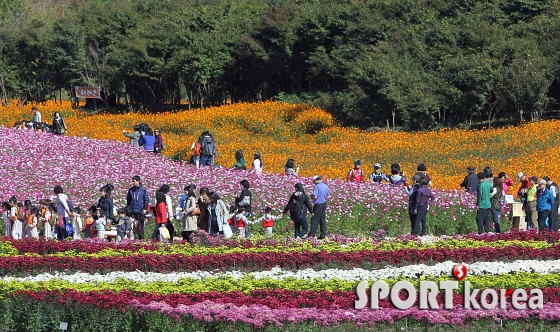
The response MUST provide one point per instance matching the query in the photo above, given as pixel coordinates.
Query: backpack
(197, 149)
(20, 214)
(208, 148)
(377, 177)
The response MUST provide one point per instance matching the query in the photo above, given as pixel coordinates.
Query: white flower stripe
(356, 274)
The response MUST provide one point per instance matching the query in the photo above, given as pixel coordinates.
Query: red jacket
(161, 213)
(268, 223)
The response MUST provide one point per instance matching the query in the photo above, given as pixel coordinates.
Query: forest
(412, 64)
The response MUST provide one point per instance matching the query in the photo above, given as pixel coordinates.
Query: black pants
(186, 235)
(300, 226)
(171, 228)
(139, 217)
(553, 217)
(420, 219)
(542, 220)
(412, 217)
(319, 219)
(483, 220)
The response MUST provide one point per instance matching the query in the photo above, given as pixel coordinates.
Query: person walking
(424, 199)
(208, 149)
(545, 201)
(63, 211)
(58, 126)
(298, 206)
(356, 174)
(483, 204)
(470, 182)
(133, 136)
(138, 200)
(217, 214)
(320, 194)
(169, 206)
(553, 215)
(245, 200)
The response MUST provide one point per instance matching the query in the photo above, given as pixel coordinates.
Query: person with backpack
(496, 203)
(138, 200)
(196, 151)
(397, 177)
(356, 174)
(208, 149)
(422, 171)
(377, 177)
(298, 205)
(553, 215)
(64, 210)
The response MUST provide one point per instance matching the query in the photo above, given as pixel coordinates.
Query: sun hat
(520, 175)
(542, 182)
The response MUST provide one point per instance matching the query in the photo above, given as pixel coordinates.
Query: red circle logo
(459, 272)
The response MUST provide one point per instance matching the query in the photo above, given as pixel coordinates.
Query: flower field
(310, 136)
(260, 284)
(271, 285)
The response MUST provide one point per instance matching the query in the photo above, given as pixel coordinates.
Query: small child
(130, 214)
(77, 223)
(17, 224)
(240, 221)
(231, 216)
(123, 225)
(7, 214)
(268, 220)
(89, 223)
(100, 224)
(32, 222)
(54, 211)
(45, 219)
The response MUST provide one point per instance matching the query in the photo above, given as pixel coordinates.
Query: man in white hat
(377, 177)
(320, 194)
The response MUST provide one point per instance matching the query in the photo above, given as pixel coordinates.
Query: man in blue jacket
(545, 201)
(138, 200)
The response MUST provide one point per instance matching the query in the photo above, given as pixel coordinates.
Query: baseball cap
(377, 166)
(357, 162)
(542, 181)
(316, 177)
(520, 175)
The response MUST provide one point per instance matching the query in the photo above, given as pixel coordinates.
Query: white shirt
(169, 207)
(62, 205)
(257, 166)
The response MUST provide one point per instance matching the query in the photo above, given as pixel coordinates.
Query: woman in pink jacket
(506, 182)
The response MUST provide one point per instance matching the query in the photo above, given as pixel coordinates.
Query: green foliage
(414, 64)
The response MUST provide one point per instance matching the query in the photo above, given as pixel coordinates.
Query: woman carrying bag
(190, 216)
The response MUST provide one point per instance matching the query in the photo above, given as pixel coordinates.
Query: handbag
(227, 230)
(69, 229)
(107, 225)
(164, 234)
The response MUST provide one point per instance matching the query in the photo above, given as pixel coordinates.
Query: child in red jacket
(161, 215)
(268, 220)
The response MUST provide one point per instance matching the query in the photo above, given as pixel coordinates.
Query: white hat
(520, 175)
(316, 177)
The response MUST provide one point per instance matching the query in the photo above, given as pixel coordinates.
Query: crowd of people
(540, 199)
(204, 210)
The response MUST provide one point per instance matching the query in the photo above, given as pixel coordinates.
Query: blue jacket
(147, 142)
(106, 205)
(545, 200)
(138, 199)
(182, 201)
